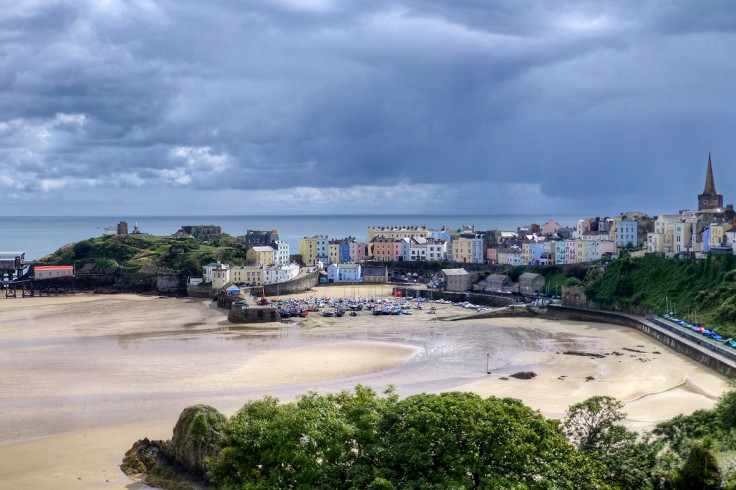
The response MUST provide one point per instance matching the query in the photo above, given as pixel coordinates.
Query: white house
(344, 273)
(436, 249)
(405, 249)
(288, 272)
(418, 248)
(220, 276)
(282, 252)
(207, 270)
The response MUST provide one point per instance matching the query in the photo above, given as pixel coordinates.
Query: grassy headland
(136, 259)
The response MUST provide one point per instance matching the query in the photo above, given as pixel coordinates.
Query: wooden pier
(30, 288)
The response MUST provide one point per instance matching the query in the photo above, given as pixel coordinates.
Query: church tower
(709, 199)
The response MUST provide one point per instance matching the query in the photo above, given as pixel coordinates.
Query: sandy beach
(85, 376)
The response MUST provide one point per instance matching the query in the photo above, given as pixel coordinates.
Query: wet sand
(85, 376)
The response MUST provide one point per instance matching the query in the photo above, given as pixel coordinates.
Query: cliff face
(180, 463)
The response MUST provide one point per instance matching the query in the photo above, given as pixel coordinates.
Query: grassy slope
(706, 287)
(131, 254)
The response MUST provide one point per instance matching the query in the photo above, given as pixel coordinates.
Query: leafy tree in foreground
(700, 471)
(460, 440)
(314, 442)
(591, 425)
(361, 440)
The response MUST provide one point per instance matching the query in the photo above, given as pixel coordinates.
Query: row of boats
(701, 330)
(338, 307)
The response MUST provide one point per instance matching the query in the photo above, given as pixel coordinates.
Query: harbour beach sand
(86, 376)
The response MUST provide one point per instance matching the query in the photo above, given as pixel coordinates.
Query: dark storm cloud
(582, 102)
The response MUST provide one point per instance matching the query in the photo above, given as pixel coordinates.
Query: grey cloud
(574, 96)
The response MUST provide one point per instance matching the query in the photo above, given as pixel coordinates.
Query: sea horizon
(39, 235)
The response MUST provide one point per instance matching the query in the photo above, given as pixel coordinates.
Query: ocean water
(41, 235)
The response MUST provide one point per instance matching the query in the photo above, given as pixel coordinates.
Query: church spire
(710, 186)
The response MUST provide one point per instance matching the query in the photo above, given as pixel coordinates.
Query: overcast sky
(368, 107)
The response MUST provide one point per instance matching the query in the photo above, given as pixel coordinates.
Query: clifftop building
(200, 231)
(709, 199)
(260, 238)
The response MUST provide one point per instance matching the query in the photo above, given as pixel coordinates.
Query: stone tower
(709, 199)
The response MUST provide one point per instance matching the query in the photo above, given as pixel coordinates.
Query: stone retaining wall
(199, 291)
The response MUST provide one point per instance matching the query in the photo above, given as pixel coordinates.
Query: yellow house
(333, 253)
(308, 250)
(718, 234)
(247, 275)
(613, 232)
(260, 255)
(579, 251)
(526, 251)
(501, 253)
(462, 250)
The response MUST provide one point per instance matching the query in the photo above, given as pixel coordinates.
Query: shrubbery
(460, 440)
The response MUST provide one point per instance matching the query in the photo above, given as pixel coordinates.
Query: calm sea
(41, 235)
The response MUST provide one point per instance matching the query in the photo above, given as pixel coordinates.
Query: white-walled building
(344, 273)
(220, 276)
(282, 252)
(207, 270)
(280, 273)
(405, 248)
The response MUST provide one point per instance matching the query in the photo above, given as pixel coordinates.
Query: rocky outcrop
(180, 463)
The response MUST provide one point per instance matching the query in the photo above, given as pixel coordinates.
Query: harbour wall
(246, 311)
(299, 284)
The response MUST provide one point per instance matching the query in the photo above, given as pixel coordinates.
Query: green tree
(700, 471)
(590, 423)
(191, 267)
(313, 442)
(459, 440)
(81, 249)
(591, 426)
(361, 440)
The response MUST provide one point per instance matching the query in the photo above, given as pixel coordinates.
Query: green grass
(706, 288)
(127, 254)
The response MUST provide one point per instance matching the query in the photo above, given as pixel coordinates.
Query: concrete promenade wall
(702, 350)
